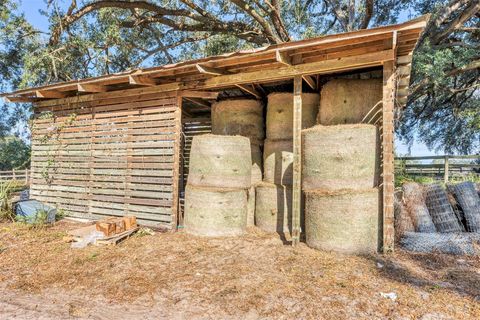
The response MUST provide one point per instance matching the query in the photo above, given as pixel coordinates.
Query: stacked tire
(273, 210)
(216, 196)
(339, 180)
(243, 117)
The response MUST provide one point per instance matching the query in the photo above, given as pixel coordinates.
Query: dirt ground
(257, 276)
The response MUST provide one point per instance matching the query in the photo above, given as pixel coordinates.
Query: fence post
(26, 176)
(14, 177)
(445, 169)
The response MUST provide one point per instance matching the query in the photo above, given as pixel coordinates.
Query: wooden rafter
(198, 102)
(50, 94)
(250, 90)
(310, 81)
(91, 88)
(283, 57)
(211, 71)
(19, 99)
(141, 80)
(208, 95)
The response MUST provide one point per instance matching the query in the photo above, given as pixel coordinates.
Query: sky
(31, 9)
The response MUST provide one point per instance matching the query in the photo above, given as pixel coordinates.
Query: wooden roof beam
(198, 102)
(19, 99)
(141, 81)
(91, 88)
(211, 71)
(207, 95)
(283, 57)
(51, 94)
(250, 90)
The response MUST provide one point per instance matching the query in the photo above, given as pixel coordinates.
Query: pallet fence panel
(191, 127)
(108, 158)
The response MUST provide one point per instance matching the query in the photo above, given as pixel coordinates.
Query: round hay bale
(278, 161)
(345, 221)
(220, 161)
(340, 157)
(243, 117)
(414, 200)
(251, 207)
(348, 100)
(257, 155)
(280, 114)
(215, 212)
(273, 207)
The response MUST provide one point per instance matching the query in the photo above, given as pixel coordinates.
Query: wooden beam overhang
(50, 94)
(250, 90)
(14, 99)
(211, 71)
(207, 95)
(141, 80)
(91, 88)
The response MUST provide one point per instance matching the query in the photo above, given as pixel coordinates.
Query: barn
(119, 144)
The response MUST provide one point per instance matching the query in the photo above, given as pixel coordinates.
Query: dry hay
(348, 100)
(280, 114)
(256, 164)
(414, 200)
(243, 117)
(215, 212)
(345, 221)
(278, 161)
(340, 157)
(255, 276)
(273, 209)
(220, 161)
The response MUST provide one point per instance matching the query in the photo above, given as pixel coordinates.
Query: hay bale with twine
(243, 117)
(280, 114)
(220, 161)
(348, 100)
(403, 220)
(345, 221)
(278, 161)
(340, 157)
(215, 212)
(273, 208)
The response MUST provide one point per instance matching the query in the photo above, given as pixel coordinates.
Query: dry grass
(254, 276)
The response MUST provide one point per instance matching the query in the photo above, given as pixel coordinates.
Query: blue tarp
(33, 211)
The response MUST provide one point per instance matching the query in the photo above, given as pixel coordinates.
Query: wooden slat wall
(109, 158)
(191, 127)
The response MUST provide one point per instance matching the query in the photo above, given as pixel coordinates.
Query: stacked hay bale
(340, 173)
(216, 196)
(243, 117)
(273, 210)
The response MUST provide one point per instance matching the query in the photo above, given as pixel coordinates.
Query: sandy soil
(257, 276)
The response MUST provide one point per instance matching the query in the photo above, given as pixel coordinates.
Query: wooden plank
(283, 57)
(141, 81)
(210, 71)
(91, 88)
(250, 90)
(209, 95)
(297, 154)
(48, 94)
(176, 164)
(388, 156)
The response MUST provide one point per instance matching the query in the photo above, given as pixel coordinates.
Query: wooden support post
(446, 169)
(26, 176)
(176, 164)
(297, 160)
(14, 176)
(388, 156)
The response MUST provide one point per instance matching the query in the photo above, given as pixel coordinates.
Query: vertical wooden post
(26, 176)
(446, 169)
(14, 176)
(388, 155)
(297, 159)
(176, 163)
